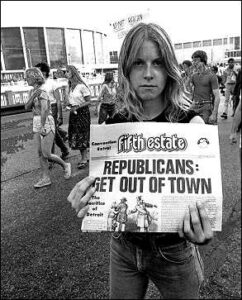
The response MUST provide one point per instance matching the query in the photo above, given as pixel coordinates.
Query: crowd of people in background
(203, 85)
(191, 94)
(76, 97)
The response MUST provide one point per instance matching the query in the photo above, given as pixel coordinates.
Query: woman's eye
(157, 63)
(138, 63)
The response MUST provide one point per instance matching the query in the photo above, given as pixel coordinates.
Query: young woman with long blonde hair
(79, 119)
(151, 87)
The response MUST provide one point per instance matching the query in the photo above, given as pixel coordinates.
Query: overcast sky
(183, 20)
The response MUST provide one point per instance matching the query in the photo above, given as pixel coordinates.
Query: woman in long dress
(79, 119)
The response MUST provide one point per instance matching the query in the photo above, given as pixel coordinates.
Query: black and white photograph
(92, 208)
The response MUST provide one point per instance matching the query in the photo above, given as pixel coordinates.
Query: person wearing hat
(112, 217)
(143, 219)
(122, 214)
(205, 86)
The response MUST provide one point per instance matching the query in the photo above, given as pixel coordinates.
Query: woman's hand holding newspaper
(196, 226)
(81, 194)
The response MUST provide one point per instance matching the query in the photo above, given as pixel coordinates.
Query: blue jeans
(176, 270)
(204, 111)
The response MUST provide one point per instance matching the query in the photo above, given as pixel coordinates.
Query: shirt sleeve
(56, 84)
(50, 84)
(84, 90)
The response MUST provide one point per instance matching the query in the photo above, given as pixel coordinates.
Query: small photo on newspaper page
(147, 174)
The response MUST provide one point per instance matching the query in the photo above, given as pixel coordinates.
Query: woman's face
(148, 76)
(30, 80)
(68, 74)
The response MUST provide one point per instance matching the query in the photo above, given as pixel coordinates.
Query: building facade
(218, 50)
(24, 47)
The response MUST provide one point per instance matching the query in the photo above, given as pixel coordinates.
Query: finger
(180, 229)
(72, 194)
(80, 188)
(83, 212)
(207, 229)
(85, 199)
(196, 223)
(187, 226)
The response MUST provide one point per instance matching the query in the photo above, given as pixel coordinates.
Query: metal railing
(11, 98)
(14, 101)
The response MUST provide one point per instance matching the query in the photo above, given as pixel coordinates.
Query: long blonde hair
(175, 100)
(76, 78)
(38, 78)
(36, 75)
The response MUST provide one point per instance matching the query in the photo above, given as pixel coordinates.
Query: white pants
(228, 92)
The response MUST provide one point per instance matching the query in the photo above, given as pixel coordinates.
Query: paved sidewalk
(45, 256)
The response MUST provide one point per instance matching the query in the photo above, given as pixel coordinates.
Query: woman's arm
(87, 101)
(33, 95)
(29, 104)
(100, 96)
(81, 194)
(44, 111)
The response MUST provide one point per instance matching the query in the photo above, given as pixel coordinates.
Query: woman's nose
(148, 72)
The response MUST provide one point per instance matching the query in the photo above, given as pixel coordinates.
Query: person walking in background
(79, 120)
(187, 67)
(236, 92)
(221, 69)
(236, 127)
(229, 79)
(43, 126)
(51, 88)
(214, 69)
(152, 90)
(205, 84)
(220, 73)
(107, 98)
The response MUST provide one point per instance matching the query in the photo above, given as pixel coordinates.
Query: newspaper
(148, 173)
